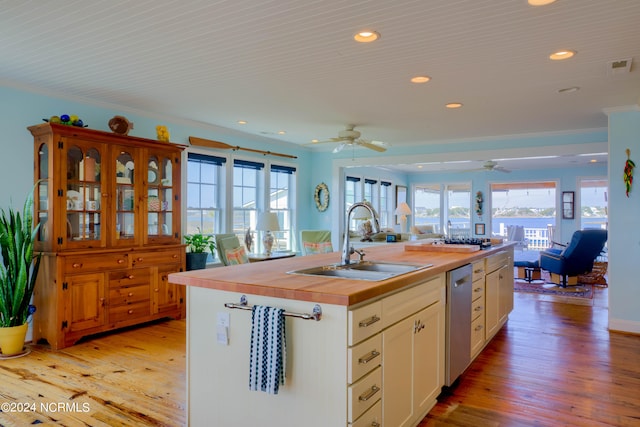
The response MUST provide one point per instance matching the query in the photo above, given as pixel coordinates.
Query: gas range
(483, 243)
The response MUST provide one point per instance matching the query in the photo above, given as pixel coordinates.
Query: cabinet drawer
(477, 308)
(129, 295)
(363, 394)
(364, 357)
(477, 335)
(398, 306)
(86, 263)
(364, 322)
(496, 261)
(126, 312)
(128, 278)
(478, 270)
(156, 257)
(478, 289)
(371, 418)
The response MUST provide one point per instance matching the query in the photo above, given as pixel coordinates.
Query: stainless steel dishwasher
(458, 324)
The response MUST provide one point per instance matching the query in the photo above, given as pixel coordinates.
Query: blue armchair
(577, 258)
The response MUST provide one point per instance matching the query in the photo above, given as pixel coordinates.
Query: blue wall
(22, 108)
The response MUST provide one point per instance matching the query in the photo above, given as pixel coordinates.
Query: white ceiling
(292, 65)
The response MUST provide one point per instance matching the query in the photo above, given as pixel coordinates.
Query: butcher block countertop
(271, 279)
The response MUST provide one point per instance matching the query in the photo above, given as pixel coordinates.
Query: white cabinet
(413, 356)
(478, 307)
(499, 292)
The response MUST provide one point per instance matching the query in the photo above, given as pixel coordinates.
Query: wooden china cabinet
(108, 206)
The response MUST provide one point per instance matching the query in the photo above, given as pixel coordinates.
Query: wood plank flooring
(553, 364)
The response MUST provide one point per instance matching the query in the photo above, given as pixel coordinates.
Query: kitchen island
(375, 357)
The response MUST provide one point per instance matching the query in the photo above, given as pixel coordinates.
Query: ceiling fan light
(366, 36)
(562, 54)
(420, 79)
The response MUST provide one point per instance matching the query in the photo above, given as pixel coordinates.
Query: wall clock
(321, 197)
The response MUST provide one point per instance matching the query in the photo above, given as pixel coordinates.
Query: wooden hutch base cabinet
(108, 208)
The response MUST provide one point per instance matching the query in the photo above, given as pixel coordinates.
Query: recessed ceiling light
(420, 79)
(593, 161)
(562, 54)
(454, 105)
(281, 132)
(569, 89)
(540, 2)
(242, 122)
(366, 36)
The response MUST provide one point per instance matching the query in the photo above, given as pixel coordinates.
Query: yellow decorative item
(12, 340)
(163, 133)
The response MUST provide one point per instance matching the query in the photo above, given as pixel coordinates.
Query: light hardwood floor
(553, 364)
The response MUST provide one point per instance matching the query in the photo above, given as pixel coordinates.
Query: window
(426, 209)
(593, 203)
(281, 201)
(245, 195)
(429, 201)
(386, 205)
(204, 193)
(531, 205)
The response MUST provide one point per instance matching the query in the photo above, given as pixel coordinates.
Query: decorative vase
(12, 339)
(196, 260)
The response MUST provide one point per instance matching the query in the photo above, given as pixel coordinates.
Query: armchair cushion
(317, 248)
(237, 256)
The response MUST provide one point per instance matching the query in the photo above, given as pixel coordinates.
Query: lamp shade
(361, 213)
(268, 221)
(403, 209)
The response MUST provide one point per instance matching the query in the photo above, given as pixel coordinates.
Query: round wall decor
(321, 197)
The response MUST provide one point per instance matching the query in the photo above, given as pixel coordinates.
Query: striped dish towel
(268, 349)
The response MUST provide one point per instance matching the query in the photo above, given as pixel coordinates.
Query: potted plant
(197, 245)
(18, 273)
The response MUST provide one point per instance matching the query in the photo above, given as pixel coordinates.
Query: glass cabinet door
(83, 195)
(160, 198)
(41, 196)
(125, 198)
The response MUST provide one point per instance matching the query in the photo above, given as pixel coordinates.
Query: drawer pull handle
(77, 265)
(130, 276)
(368, 358)
(375, 424)
(140, 259)
(368, 395)
(121, 261)
(174, 256)
(477, 290)
(130, 311)
(479, 327)
(478, 270)
(130, 294)
(368, 322)
(478, 308)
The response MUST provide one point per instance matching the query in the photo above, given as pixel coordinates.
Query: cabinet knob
(101, 302)
(369, 394)
(174, 256)
(370, 321)
(131, 276)
(369, 357)
(130, 294)
(479, 327)
(478, 308)
(77, 265)
(155, 290)
(139, 259)
(130, 311)
(477, 289)
(120, 261)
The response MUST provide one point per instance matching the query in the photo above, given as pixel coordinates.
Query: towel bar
(316, 315)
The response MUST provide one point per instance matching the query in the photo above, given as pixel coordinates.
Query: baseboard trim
(627, 326)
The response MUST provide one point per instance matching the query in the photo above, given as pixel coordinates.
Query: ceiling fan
(490, 166)
(351, 137)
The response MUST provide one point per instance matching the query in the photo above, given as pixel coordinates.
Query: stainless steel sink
(365, 270)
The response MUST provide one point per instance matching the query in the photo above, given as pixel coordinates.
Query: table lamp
(403, 210)
(362, 214)
(268, 222)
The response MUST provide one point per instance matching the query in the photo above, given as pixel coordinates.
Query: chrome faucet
(348, 250)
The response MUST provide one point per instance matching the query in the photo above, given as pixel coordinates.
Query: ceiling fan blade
(339, 147)
(373, 147)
